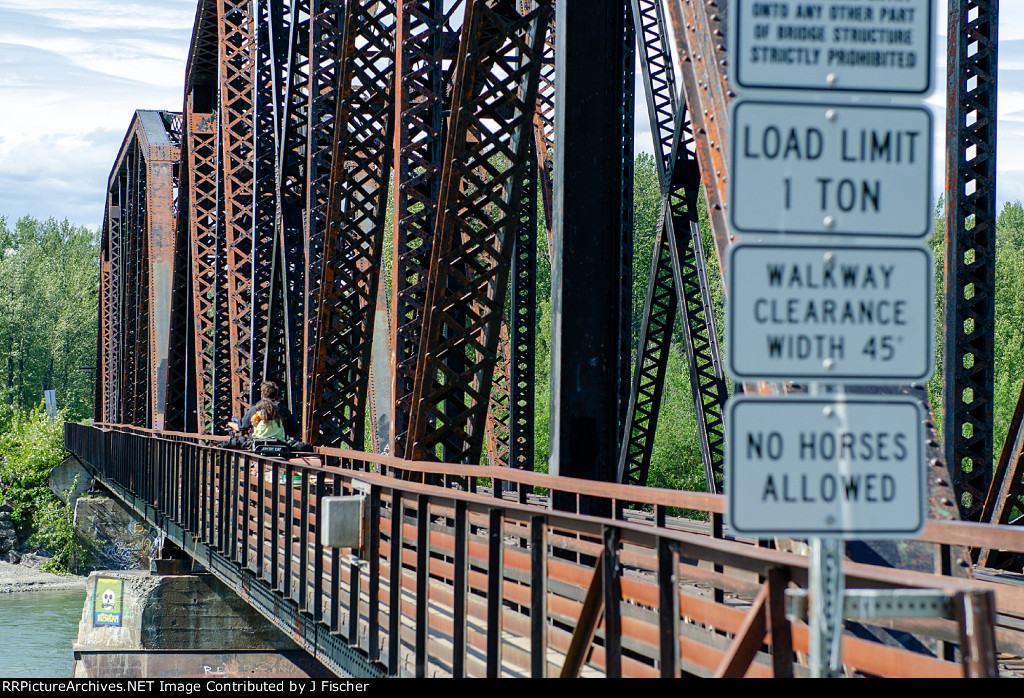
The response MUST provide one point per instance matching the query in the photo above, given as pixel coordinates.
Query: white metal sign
(831, 169)
(871, 45)
(847, 467)
(837, 313)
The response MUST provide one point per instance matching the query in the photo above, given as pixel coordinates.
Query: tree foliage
(31, 445)
(49, 281)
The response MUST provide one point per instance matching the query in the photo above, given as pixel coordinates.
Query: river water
(36, 632)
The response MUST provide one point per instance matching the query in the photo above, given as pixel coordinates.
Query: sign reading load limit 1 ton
(831, 169)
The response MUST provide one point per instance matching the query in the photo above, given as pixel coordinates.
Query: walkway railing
(476, 576)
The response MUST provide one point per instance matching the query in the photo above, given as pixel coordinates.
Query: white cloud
(72, 73)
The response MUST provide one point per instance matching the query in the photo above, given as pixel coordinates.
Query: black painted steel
(612, 609)
(668, 607)
(422, 578)
(969, 328)
(373, 587)
(460, 592)
(494, 592)
(586, 309)
(538, 597)
(395, 579)
(523, 327)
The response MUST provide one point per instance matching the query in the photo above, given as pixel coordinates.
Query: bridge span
(466, 583)
(358, 200)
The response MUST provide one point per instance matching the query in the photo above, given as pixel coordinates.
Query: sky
(72, 73)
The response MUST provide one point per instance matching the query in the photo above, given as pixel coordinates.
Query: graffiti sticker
(106, 601)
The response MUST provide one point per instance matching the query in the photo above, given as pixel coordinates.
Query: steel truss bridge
(354, 200)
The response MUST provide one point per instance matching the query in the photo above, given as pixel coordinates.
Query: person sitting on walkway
(268, 419)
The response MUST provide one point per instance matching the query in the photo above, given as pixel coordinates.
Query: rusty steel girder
(269, 61)
(285, 346)
(493, 102)
(237, 75)
(355, 220)
(544, 128)
(700, 46)
(326, 27)
(136, 271)
(425, 44)
(203, 214)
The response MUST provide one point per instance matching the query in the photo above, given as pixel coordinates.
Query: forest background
(49, 283)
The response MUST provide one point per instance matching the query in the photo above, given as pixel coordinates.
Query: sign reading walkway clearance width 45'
(838, 313)
(823, 169)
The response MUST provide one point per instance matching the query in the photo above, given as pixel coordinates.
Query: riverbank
(27, 576)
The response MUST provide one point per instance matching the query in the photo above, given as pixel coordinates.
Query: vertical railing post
(495, 582)
(422, 582)
(975, 614)
(460, 591)
(538, 597)
(612, 608)
(373, 588)
(318, 550)
(395, 601)
(303, 599)
(668, 608)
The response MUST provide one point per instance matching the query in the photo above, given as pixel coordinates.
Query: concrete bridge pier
(137, 624)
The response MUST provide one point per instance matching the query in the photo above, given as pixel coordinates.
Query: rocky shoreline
(21, 571)
(26, 576)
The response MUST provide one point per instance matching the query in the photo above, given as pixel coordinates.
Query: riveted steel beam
(355, 220)
(424, 45)
(969, 335)
(493, 102)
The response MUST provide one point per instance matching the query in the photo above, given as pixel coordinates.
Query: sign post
(819, 148)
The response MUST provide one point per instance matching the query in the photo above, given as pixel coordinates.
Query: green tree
(31, 445)
(49, 279)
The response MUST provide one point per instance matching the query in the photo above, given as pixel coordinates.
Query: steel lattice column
(270, 73)
(287, 328)
(112, 303)
(361, 168)
(201, 145)
(524, 325)
(493, 102)
(237, 76)
(325, 52)
(969, 341)
(423, 42)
